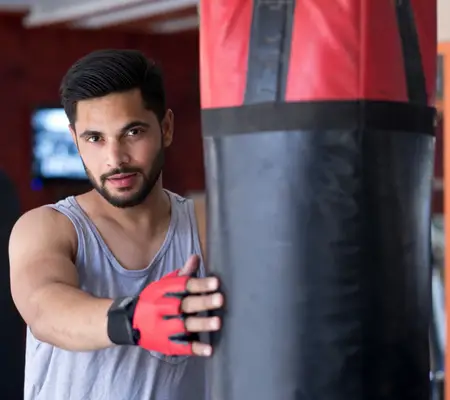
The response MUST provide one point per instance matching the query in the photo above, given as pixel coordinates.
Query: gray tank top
(121, 372)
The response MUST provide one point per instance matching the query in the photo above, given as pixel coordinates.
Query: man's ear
(167, 128)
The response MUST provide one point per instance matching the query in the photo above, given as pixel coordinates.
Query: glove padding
(159, 319)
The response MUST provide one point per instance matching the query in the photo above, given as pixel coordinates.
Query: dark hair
(103, 72)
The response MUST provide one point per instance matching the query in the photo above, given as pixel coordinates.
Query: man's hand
(200, 302)
(167, 315)
(190, 267)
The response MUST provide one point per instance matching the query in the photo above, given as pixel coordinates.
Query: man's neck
(150, 215)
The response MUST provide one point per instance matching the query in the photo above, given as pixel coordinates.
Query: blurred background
(39, 164)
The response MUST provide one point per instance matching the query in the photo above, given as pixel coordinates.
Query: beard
(149, 179)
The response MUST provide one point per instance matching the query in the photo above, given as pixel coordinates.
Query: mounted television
(55, 155)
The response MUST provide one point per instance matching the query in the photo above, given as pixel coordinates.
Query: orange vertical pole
(444, 49)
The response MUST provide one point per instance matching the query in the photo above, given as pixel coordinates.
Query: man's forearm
(70, 319)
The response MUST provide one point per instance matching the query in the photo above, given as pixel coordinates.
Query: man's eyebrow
(134, 124)
(123, 130)
(88, 132)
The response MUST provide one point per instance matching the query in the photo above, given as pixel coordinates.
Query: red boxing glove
(153, 320)
(158, 317)
(171, 274)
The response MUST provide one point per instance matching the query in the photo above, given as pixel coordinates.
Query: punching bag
(318, 140)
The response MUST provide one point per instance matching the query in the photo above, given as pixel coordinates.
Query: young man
(105, 281)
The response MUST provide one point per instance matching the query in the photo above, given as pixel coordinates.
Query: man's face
(122, 146)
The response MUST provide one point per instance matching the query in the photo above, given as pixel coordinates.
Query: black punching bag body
(319, 145)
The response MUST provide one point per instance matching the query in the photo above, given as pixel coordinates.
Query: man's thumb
(190, 267)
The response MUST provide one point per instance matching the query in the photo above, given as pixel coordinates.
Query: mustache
(123, 170)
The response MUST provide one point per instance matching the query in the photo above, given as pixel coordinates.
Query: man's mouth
(123, 181)
(121, 176)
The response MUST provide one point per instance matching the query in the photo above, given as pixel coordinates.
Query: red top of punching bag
(340, 50)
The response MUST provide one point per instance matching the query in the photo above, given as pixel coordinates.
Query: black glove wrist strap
(120, 317)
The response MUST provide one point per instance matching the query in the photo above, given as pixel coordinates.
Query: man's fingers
(190, 267)
(199, 324)
(195, 304)
(202, 285)
(201, 349)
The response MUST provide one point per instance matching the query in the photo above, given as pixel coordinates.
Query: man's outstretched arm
(45, 287)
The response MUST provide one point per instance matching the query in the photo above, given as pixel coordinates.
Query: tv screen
(55, 155)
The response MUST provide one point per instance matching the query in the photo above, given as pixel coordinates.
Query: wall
(32, 63)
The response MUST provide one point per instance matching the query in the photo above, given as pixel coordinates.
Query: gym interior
(40, 39)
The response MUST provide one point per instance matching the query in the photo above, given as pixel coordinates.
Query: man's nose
(117, 155)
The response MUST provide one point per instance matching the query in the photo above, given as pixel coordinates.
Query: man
(96, 276)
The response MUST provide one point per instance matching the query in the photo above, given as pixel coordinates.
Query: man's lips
(121, 176)
(122, 180)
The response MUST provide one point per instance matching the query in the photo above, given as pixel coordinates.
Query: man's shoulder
(200, 204)
(45, 214)
(198, 199)
(43, 221)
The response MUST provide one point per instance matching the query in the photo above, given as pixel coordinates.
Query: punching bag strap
(269, 51)
(412, 58)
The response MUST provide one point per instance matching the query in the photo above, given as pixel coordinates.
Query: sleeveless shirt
(120, 372)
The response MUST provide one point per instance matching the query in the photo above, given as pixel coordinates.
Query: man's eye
(134, 132)
(93, 139)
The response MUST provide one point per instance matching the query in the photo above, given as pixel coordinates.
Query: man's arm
(45, 287)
